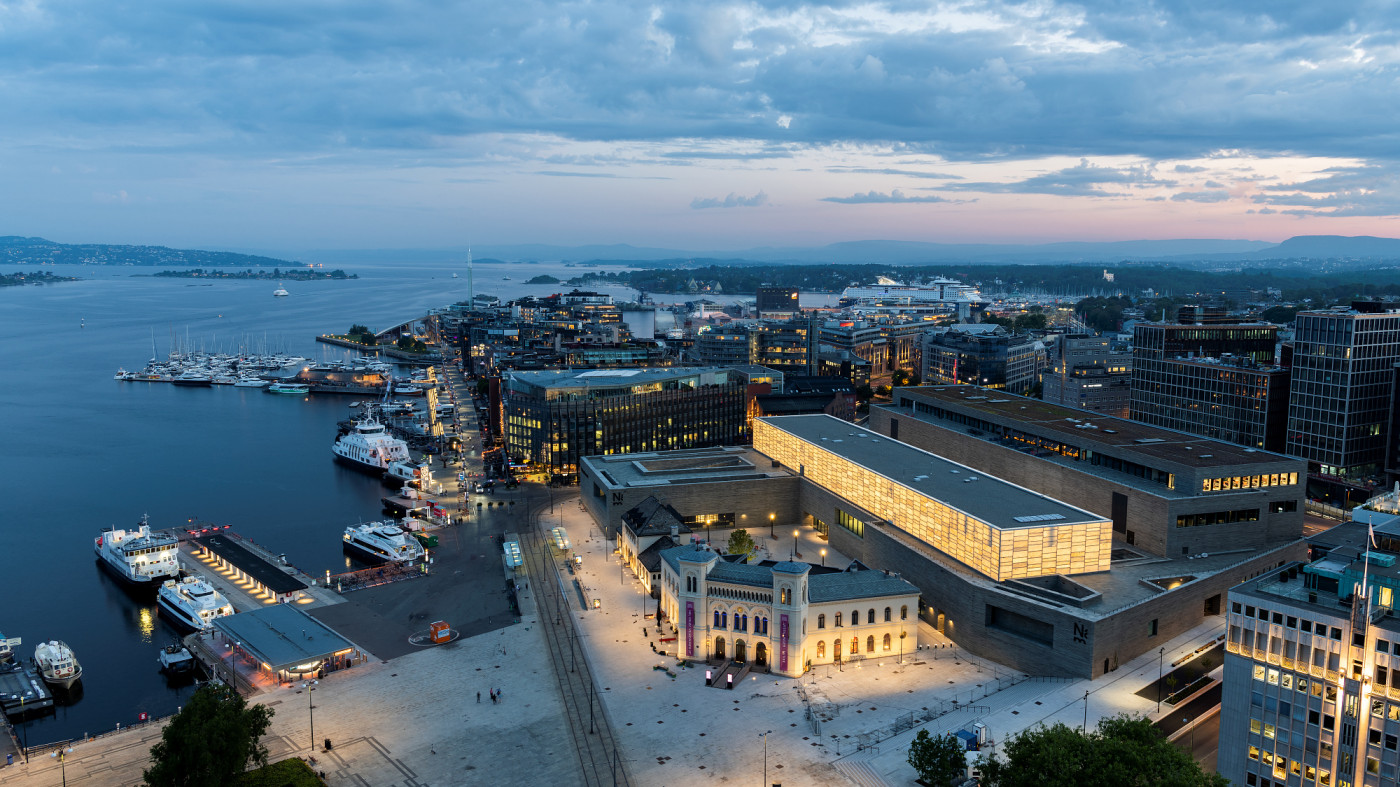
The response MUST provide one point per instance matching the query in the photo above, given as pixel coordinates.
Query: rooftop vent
(1038, 518)
(1142, 440)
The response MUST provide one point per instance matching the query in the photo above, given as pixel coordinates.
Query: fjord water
(82, 451)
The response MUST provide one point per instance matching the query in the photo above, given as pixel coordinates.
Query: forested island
(15, 249)
(277, 274)
(41, 277)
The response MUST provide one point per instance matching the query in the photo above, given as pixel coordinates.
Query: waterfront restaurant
(286, 643)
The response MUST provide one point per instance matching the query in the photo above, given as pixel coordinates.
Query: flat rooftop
(282, 636)
(1067, 425)
(574, 379)
(264, 573)
(685, 466)
(999, 503)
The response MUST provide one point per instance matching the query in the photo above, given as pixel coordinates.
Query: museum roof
(999, 503)
(1076, 427)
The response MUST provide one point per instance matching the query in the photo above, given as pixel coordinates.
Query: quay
(249, 576)
(22, 690)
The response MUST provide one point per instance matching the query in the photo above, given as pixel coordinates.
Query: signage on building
(690, 628)
(782, 642)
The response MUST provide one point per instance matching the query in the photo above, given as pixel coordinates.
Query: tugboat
(175, 659)
(192, 603)
(138, 557)
(382, 542)
(370, 447)
(57, 664)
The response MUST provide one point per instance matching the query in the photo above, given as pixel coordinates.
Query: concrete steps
(859, 770)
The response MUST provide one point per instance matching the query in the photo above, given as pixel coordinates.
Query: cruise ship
(370, 447)
(933, 292)
(192, 603)
(57, 664)
(138, 557)
(382, 542)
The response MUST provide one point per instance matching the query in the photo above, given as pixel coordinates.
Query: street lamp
(824, 559)
(1160, 652)
(61, 755)
(765, 757)
(1085, 728)
(902, 634)
(771, 517)
(310, 686)
(794, 543)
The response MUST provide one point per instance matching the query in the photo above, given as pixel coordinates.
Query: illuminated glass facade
(1033, 549)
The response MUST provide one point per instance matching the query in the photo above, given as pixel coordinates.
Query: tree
(210, 742)
(358, 329)
(938, 760)
(741, 543)
(1122, 751)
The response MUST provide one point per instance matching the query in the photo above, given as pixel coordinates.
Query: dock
(22, 690)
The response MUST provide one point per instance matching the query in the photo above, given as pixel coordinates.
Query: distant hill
(15, 249)
(1334, 247)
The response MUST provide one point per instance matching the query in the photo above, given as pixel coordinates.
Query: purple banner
(690, 629)
(782, 642)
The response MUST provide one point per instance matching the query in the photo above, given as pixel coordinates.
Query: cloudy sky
(294, 124)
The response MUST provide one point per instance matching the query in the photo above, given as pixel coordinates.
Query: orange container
(439, 631)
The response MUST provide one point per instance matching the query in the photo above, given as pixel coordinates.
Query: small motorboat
(175, 658)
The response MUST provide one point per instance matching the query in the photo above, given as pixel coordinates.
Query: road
(1314, 524)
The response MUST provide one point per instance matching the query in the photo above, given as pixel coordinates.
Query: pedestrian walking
(478, 698)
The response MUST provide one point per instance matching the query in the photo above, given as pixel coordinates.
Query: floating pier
(22, 690)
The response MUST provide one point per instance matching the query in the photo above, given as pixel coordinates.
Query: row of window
(850, 523)
(741, 622)
(869, 617)
(854, 646)
(1247, 482)
(1218, 517)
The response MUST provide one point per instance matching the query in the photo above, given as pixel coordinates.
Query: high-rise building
(554, 418)
(788, 346)
(1085, 372)
(1312, 668)
(1339, 405)
(1218, 380)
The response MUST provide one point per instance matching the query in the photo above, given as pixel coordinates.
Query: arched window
(855, 645)
(887, 642)
(904, 612)
(821, 649)
(821, 621)
(745, 625)
(870, 643)
(870, 616)
(887, 614)
(716, 618)
(838, 620)
(855, 617)
(723, 619)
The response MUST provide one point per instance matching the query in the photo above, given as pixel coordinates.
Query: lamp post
(1160, 652)
(1190, 739)
(823, 557)
(310, 686)
(765, 757)
(1085, 728)
(61, 755)
(794, 543)
(771, 517)
(902, 634)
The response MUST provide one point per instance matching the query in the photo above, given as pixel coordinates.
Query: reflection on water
(146, 624)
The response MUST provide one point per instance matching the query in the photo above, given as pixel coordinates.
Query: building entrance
(740, 652)
(719, 648)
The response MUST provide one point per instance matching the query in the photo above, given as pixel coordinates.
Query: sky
(313, 124)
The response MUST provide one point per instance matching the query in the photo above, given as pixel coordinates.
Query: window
(904, 612)
(716, 618)
(838, 620)
(855, 617)
(1152, 628)
(870, 644)
(887, 614)
(821, 649)
(821, 621)
(887, 642)
(850, 523)
(855, 645)
(870, 616)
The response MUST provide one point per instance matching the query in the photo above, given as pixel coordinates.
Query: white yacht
(280, 292)
(57, 664)
(139, 557)
(192, 603)
(250, 382)
(382, 542)
(370, 447)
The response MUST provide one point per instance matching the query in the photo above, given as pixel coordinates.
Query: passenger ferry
(295, 389)
(382, 542)
(138, 557)
(57, 664)
(370, 447)
(192, 603)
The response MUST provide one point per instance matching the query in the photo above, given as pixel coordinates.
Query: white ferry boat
(192, 603)
(280, 292)
(57, 664)
(139, 557)
(295, 389)
(382, 542)
(370, 447)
